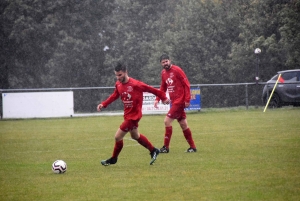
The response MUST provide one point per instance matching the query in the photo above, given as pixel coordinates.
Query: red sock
(188, 136)
(145, 142)
(117, 149)
(168, 135)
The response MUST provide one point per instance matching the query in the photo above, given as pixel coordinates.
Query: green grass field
(242, 155)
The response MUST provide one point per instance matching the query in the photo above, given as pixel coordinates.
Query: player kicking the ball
(131, 93)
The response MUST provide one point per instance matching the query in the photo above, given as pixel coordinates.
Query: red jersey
(176, 82)
(131, 94)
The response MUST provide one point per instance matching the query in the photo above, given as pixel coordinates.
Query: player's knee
(168, 122)
(135, 135)
(183, 125)
(118, 138)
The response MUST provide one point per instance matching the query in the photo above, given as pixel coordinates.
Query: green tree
(54, 43)
(272, 26)
(290, 33)
(23, 43)
(198, 36)
(129, 34)
(4, 49)
(78, 57)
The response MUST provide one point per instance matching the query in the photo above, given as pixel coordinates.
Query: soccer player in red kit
(130, 92)
(176, 82)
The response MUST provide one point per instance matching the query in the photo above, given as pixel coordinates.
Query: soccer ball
(59, 166)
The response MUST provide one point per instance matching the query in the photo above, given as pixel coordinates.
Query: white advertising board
(148, 104)
(38, 104)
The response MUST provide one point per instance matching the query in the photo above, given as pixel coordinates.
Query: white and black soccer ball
(59, 166)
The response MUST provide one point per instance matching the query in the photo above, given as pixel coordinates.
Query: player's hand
(99, 107)
(155, 104)
(187, 104)
(166, 102)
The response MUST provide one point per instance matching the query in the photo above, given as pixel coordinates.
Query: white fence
(38, 104)
(86, 99)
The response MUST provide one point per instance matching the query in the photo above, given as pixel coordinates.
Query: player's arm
(186, 85)
(187, 95)
(114, 96)
(160, 94)
(157, 92)
(99, 107)
(163, 87)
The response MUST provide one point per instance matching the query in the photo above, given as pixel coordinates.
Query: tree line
(46, 44)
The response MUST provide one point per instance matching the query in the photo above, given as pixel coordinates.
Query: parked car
(287, 91)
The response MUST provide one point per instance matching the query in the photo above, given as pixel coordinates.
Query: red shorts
(129, 125)
(177, 112)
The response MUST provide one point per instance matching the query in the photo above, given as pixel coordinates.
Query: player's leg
(174, 113)
(118, 142)
(140, 138)
(168, 134)
(187, 134)
(143, 140)
(117, 148)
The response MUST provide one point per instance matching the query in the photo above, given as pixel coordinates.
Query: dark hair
(120, 67)
(163, 57)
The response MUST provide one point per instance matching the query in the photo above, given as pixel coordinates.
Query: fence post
(247, 102)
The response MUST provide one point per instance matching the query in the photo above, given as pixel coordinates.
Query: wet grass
(242, 155)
